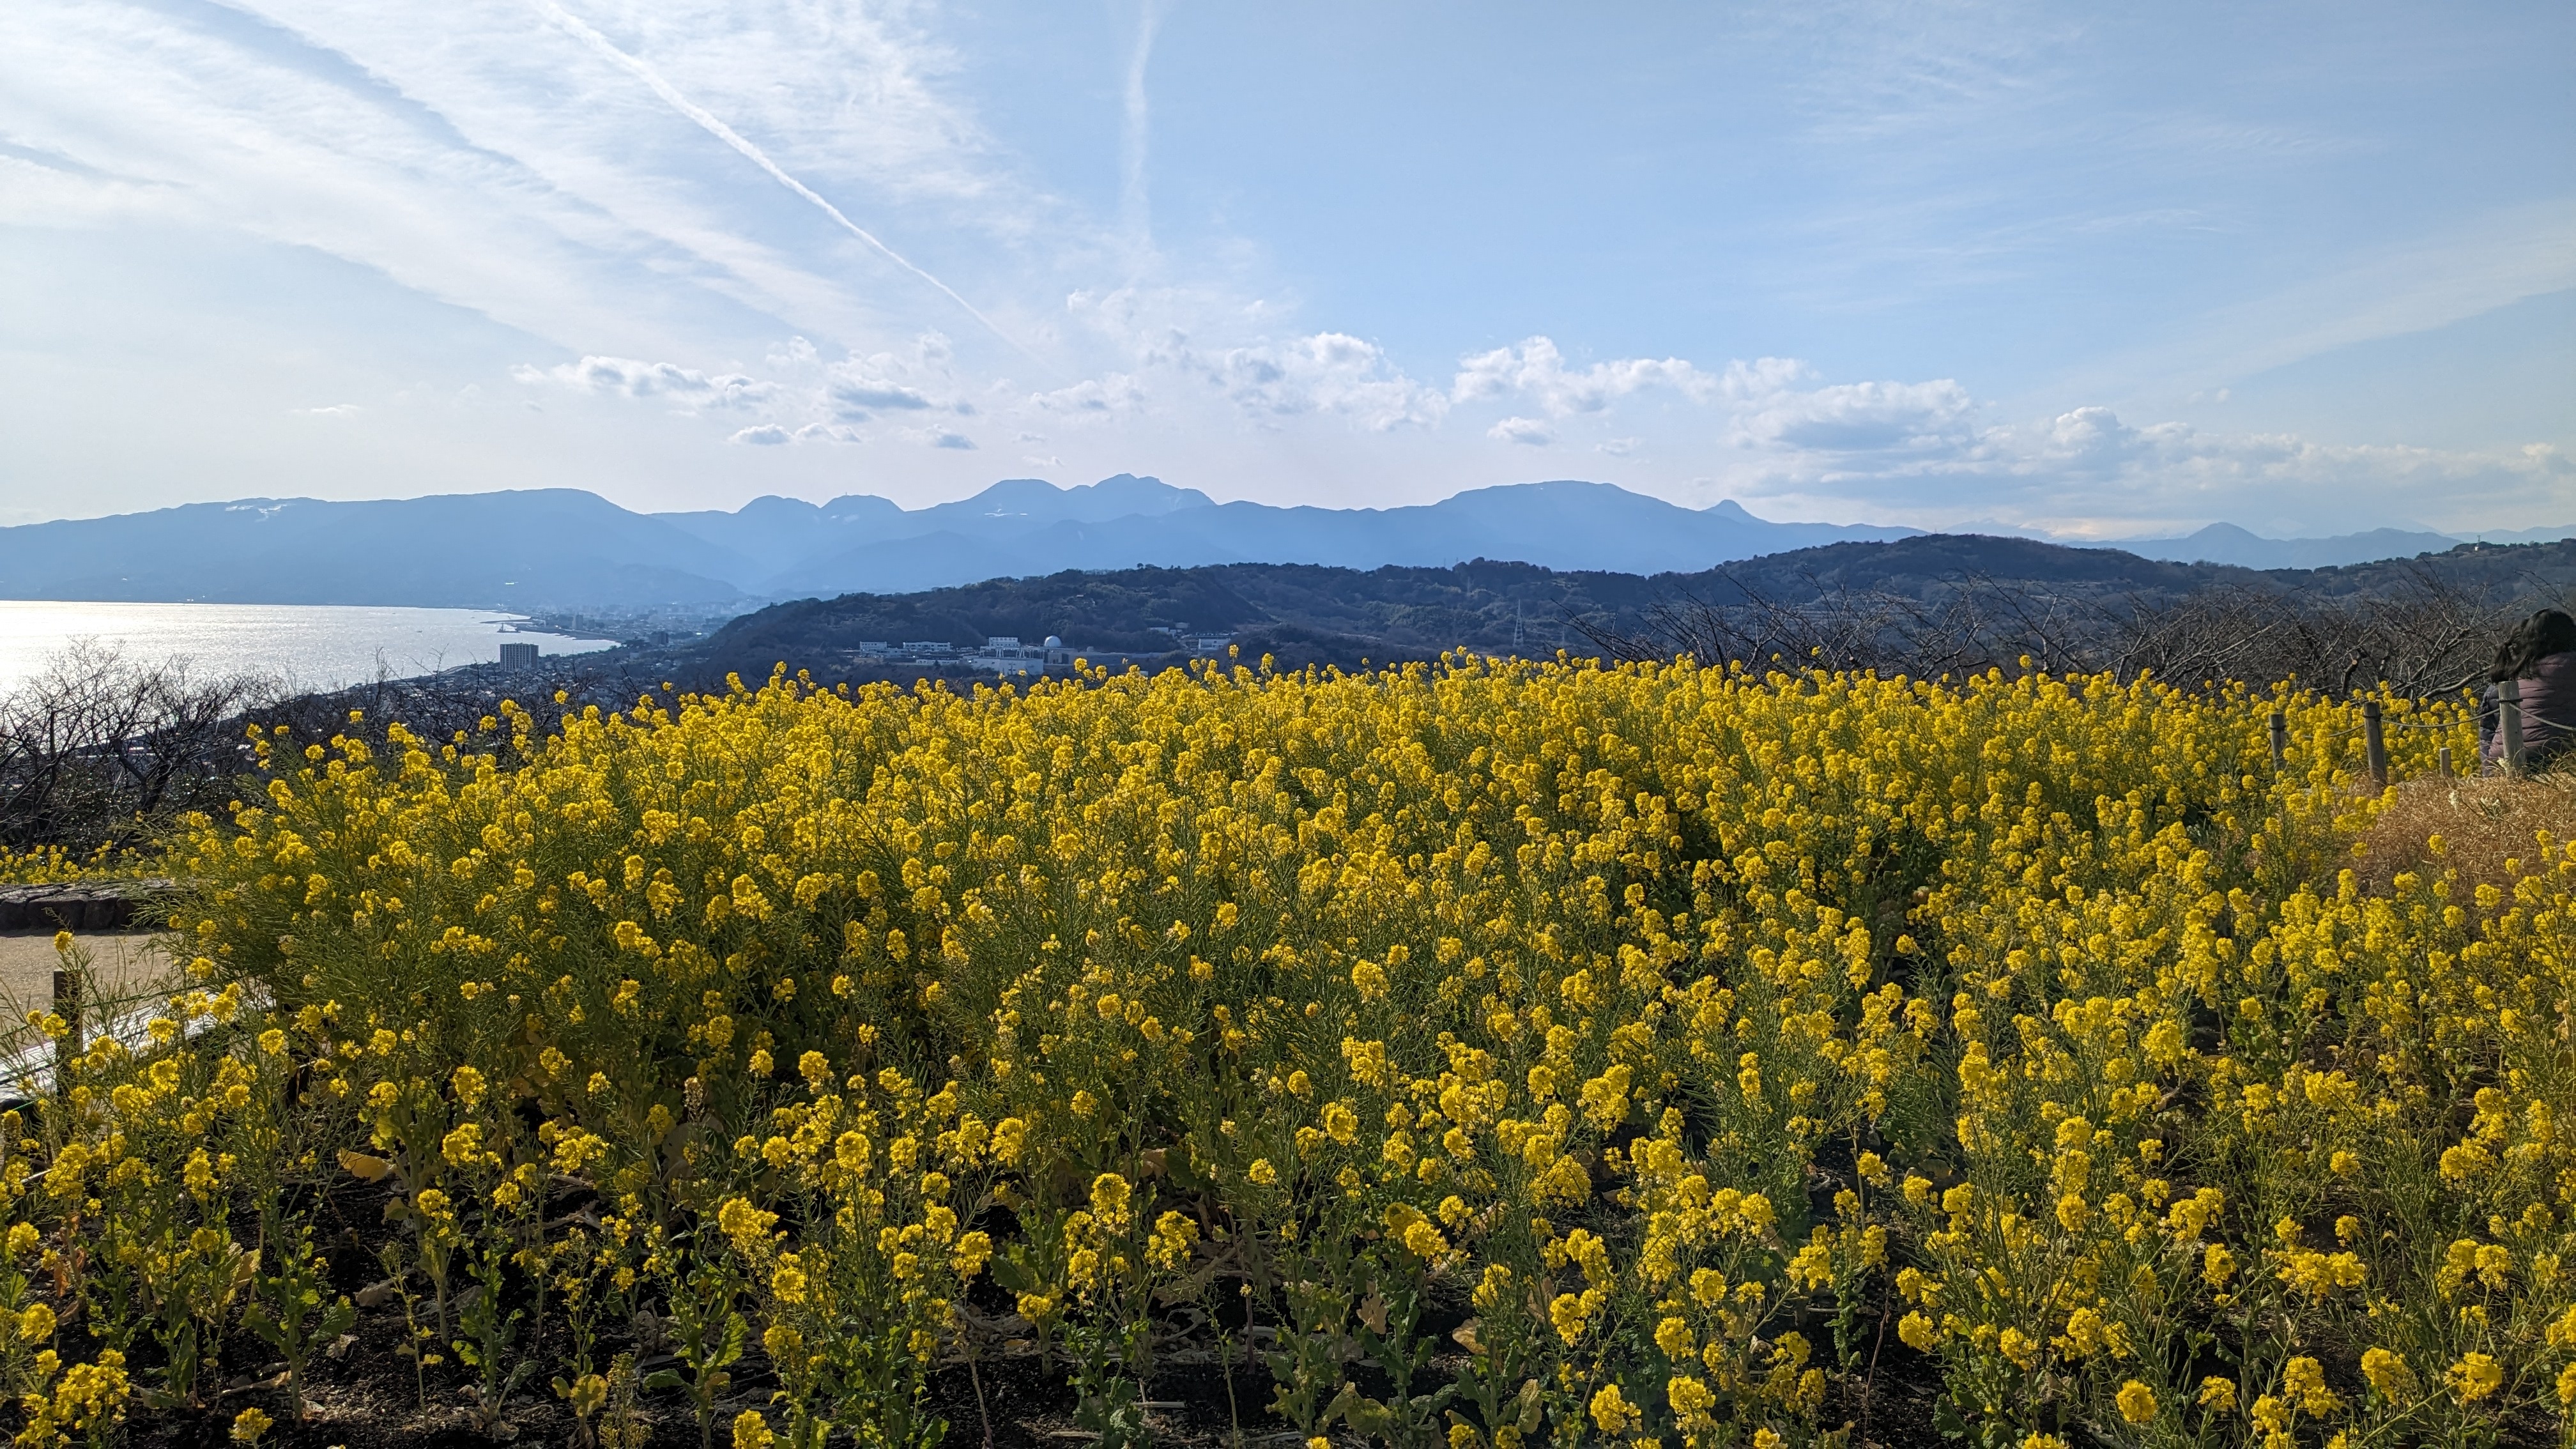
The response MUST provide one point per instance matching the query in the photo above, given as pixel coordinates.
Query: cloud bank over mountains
(1801, 440)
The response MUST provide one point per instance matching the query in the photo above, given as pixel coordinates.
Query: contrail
(575, 27)
(1134, 201)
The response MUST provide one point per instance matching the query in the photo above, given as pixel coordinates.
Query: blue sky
(2098, 270)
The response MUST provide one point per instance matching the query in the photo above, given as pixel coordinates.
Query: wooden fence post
(2280, 738)
(2442, 760)
(2509, 720)
(67, 1005)
(2374, 743)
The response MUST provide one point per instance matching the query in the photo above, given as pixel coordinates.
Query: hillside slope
(1305, 614)
(528, 550)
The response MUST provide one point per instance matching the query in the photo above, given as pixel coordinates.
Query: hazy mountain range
(557, 548)
(2225, 543)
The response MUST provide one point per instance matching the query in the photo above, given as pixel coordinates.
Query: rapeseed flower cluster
(56, 864)
(1638, 1044)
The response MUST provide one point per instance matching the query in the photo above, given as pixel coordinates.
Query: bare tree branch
(2423, 635)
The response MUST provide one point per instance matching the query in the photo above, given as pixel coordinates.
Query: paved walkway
(121, 963)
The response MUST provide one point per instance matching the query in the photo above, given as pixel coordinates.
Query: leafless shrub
(2422, 635)
(103, 749)
(439, 707)
(99, 747)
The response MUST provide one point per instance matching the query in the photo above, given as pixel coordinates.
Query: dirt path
(122, 963)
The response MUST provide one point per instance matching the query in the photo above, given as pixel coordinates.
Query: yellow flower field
(1485, 1054)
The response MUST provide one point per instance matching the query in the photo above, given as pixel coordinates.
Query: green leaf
(1013, 1274)
(660, 1379)
(1369, 1417)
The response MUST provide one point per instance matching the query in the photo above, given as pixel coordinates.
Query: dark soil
(369, 1395)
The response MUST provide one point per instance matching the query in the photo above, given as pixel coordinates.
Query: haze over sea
(306, 646)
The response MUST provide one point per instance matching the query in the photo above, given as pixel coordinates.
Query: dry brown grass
(2483, 822)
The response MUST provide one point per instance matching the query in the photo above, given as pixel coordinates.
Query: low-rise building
(1005, 654)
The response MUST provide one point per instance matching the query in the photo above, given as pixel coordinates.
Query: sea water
(301, 646)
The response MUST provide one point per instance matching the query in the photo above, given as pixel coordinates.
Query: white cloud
(1330, 372)
(829, 433)
(1536, 372)
(628, 377)
(2087, 472)
(1113, 395)
(500, 159)
(855, 396)
(2458, 269)
(809, 400)
(1856, 417)
(1266, 380)
(772, 434)
(919, 378)
(1769, 404)
(606, 49)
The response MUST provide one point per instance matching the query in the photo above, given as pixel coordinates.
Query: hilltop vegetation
(1926, 604)
(1304, 613)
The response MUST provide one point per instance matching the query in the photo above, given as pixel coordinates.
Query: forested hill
(1305, 614)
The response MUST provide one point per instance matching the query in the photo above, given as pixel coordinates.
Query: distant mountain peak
(1117, 496)
(2232, 533)
(2229, 543)
(1147, 494)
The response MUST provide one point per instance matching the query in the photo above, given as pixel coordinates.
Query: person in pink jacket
(2541, 653)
